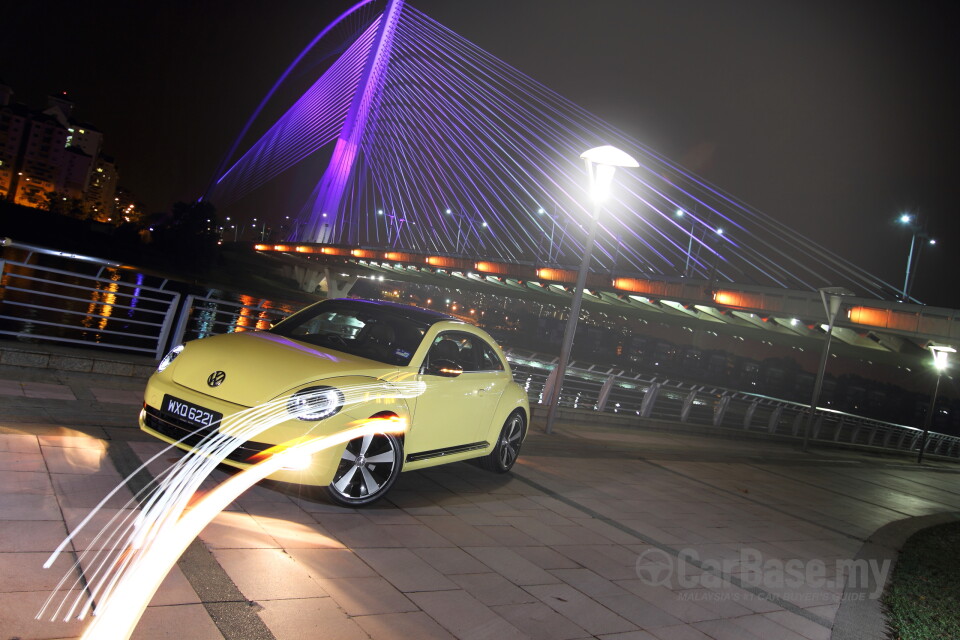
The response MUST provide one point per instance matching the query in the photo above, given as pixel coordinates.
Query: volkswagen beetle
(332, 365)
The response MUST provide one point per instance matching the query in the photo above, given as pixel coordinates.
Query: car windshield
(366, 332)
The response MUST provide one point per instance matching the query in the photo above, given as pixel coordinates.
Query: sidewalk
(598, 532)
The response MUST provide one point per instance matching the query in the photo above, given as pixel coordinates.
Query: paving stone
(546, 558)
(540, 622)
(492, 589)
(231, 530)
(47, 391)
(20, 461)
(30, 535)
(268, 574)
(291, 534)
(389, 626)
(465, 617)
(798, 624)
(585, 612)
(679, 632)
(637, 610)
(451, 560)
(175, 623)
(22, 571)
(87, 461)
(511, 565)
(309, 617)
(457, 531)
(417, 535)
(366, 596)
(18, 610)
(763, 627)
(405, 570)
(332, 563)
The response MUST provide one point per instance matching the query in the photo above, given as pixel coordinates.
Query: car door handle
(480, 391)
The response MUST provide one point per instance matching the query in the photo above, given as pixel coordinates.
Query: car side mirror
(444, 368)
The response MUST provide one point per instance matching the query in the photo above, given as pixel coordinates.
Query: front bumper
(277, 432)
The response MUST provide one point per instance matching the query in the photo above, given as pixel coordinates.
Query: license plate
(190, 413)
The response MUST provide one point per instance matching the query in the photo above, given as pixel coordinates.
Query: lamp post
(471, 219)
(602, 163)
(686, 267)
(913, 257)
(941, 354)
(553, 225)
(831, 298)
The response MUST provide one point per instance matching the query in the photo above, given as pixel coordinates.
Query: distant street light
(917, 231)
(941, 354)
(553, 225)
(471, 219)
(831, 298)
(602, 163)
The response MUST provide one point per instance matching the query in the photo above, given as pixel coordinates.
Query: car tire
(368, 468)
(507, 449)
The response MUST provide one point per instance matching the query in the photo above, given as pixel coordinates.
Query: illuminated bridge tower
(325, 223)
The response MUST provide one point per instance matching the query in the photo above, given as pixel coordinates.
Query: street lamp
(553, 225)
(831, 298)
(471, 219)
(602, 163)
(686, 267)
(941, 354)
(917, 231)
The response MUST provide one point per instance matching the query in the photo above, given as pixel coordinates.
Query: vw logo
(216, 378)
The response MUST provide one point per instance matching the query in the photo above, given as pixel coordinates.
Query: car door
(448, 415)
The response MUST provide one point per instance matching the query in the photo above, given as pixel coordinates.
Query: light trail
(139, 546)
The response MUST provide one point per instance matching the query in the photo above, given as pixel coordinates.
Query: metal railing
(93, 303)
(205, 316)
(99, 303)
(609, 390)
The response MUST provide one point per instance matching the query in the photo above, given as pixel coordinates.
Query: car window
(372, 334)
(469, 352)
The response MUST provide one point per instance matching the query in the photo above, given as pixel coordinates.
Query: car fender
(513, 398)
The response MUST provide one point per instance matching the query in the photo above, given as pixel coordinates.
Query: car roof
(409, 312)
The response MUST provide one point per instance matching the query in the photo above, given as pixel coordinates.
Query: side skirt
(448, 451)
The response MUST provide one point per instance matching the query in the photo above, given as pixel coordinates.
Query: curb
(75, 360)
(859, 616)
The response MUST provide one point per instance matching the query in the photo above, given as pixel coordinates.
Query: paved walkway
(598, 532)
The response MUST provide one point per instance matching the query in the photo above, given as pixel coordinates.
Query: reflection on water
(103, 297)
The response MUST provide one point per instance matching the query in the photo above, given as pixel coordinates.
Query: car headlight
(315, 403)
(170, 357)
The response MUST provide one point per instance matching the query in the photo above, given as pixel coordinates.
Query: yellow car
(333, 365)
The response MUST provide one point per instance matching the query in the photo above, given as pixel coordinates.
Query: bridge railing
(602, 389)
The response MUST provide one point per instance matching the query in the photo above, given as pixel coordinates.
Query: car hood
(261, 366)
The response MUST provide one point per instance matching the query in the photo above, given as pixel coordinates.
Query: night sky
(833, 117)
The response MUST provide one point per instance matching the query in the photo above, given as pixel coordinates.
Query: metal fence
(91, 303)
(54, 296)
(99, 303)
(609, 390)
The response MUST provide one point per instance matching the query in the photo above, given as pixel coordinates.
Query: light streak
(118, 617)
(138, 547)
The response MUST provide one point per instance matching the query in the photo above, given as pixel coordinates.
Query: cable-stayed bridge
(444, 158)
